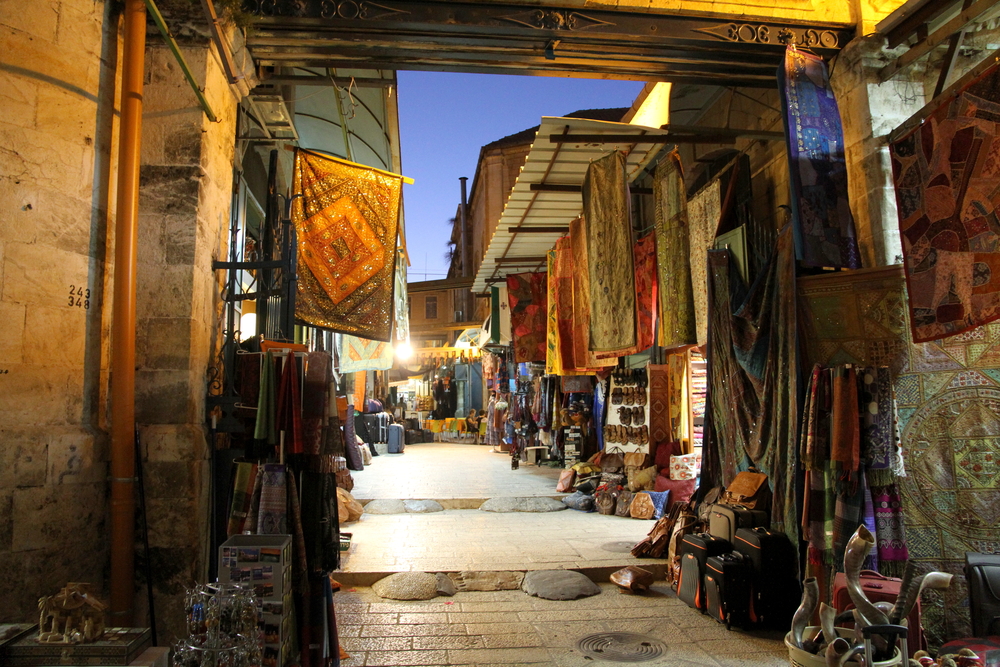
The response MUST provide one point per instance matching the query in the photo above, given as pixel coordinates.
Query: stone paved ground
(507, 627)
(512, 628)
(446, 470)
(472, 539)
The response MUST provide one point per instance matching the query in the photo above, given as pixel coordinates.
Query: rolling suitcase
(982, 573)
(396, 442)
(413, 436)
(879, 588)
(774, 586)
(727, 589)
(694, 550)
(725, 520)
(383, 427)
(428, 435)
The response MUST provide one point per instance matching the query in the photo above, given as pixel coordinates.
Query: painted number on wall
(79, 297)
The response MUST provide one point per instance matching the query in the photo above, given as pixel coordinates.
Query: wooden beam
(949, 59)
(342, 81)
(736, 133)
(633, 139)
(519, 261)
(925, 46)
(569, 189)
(526, 229)
(952, 91)
(914, 21)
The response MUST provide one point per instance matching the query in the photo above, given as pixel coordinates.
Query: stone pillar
(185, 197)
(57, 93)
(869, 111)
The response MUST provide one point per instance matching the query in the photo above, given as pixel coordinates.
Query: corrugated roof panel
(554, 164)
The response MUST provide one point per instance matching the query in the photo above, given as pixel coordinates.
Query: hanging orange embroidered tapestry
(346, 223)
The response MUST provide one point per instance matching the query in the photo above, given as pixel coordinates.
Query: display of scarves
(244, 476)
(526, 293)
(821, 216)
(608, 217)
(753, 364)
(819, 504)
(848, 514)
(676, 299)
(288, 417)
(320, 521)
(361, 354)
(272, 517)
(946, 172)
(300, 571)
(644, 261)
(267, 403)
(315, 402)
(346, 224)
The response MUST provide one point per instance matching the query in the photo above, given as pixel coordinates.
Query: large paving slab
(455, 540)
(511, 628)
(441, 470)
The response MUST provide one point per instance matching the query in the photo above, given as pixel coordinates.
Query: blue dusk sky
(446, 118)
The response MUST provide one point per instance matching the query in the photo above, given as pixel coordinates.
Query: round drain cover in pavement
(618, 547)
(621, 647)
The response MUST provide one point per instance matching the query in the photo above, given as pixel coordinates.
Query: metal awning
(546, 196)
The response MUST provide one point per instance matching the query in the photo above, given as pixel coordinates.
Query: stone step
(597, 574)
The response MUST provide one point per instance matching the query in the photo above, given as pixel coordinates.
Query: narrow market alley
(510, 627)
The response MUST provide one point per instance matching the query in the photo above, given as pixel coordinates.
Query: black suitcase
(428, 435)
(727, 589)
(413, 436)
(695, 549)
(774, 584)
(725, 520)
(982, 573)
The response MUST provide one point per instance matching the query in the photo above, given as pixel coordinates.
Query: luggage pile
(727, 563)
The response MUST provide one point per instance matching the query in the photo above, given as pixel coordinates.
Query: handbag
(636, 460)
(642, 480)
(613, 460)
(344, 479)
(750, 489)
(604, 500)
(579, 501)
(625, 498)
(612, 480)
(566, 480)
(642, 506)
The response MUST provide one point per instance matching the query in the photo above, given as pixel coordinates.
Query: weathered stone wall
(186, 184)
(57, 96)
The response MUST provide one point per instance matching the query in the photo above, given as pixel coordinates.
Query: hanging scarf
(272, 518)
(878, 425)
(244, 477)
(890, 532)
(845, 440)
(289, 415)
(266, 403)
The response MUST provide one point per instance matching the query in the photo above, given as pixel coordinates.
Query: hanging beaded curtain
(346, 224)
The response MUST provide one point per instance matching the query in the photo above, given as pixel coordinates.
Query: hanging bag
(750, 489)
(613, 460)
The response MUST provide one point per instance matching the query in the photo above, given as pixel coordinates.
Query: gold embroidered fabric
(677, 319)
(346, 222)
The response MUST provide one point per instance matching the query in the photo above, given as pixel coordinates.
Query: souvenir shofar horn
(810, 598)
(840, 651)
(827, 614)
(858, 548)
(911, 588)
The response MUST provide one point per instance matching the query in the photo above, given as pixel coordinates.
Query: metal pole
(123, 323)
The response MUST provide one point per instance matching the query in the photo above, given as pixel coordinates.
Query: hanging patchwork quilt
(553, 356)
(704, 211)
(526, 293)
(608, 215)
(821, 217)
(361, 354)
(346, 222)
(947, 178)
(676, 300)
(583, 357)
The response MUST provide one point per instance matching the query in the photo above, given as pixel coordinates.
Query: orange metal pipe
(123, 319)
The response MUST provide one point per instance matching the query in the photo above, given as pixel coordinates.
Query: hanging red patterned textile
(644, 254)
(527, 296)
(346, 224)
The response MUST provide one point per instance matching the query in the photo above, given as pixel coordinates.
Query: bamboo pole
(123, 319)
